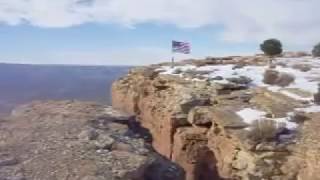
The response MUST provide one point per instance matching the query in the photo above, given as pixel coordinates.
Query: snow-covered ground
(250, 115)
(305, 81)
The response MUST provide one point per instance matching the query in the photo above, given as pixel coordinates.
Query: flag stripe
(181, 47)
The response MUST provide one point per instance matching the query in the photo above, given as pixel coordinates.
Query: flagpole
(172, 55)
(172, 60)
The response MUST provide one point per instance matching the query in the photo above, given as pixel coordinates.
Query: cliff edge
(229, 118)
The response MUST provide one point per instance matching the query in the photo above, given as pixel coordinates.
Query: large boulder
(274, 77)
(240, 80)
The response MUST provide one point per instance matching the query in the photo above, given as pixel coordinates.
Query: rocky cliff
(219, 118)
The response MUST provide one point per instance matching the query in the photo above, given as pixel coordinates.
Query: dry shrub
(263, 130)
(298, 117)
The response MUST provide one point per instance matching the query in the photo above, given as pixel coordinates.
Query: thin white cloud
(296, 22)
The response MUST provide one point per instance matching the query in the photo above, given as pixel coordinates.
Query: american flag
(181, 47)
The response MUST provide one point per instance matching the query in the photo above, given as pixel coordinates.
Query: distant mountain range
(24, 83)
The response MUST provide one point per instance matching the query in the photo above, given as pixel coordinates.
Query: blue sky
(120, 32)
(110, 44)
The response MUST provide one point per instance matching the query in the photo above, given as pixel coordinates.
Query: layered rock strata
(195, 124)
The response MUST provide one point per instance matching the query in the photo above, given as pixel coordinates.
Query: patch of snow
(255, 73)
(196, 79)
(225, 71)
(169, 70)
(274, 88)
(303, 60)
(310, 109)
(223, 81)
(286, 121)
(295, 96)
(304, 81)
(249, 115)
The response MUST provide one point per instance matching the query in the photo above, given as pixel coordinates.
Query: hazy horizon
(21, 83)
(69, 65)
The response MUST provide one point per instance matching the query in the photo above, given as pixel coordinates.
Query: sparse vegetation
(271, 47)
(298, 117)
(316, 50)
(263, 130)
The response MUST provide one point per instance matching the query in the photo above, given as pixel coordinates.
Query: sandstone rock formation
(195, 122)
(78, 141)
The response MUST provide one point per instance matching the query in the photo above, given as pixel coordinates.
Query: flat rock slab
(275, 103)
(228, 118)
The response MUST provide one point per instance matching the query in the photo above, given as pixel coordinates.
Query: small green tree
(316, 50)
(271, 47)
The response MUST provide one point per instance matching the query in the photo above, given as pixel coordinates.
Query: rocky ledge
(78, 141)
(229, 118)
